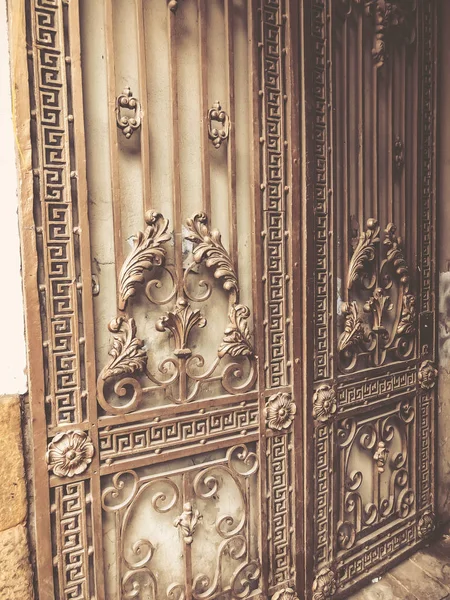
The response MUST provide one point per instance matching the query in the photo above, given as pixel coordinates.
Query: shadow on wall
(444, 399)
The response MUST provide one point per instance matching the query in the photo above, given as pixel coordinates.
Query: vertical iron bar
(231, 146)
(346, 195)
(86, 294)
(375, 198)
(361, 106)
(178, 249)
(403, 127)
(206, 175)
(143, 98)
(390, 140)
(113, 143)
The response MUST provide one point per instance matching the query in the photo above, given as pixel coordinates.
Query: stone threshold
(424, 576)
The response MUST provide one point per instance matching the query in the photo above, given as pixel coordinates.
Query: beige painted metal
(226, 403)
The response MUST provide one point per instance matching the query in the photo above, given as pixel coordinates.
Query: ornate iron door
(370, 134)
(162, 365)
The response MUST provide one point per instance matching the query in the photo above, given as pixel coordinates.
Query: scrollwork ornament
(426, 524)
(187, 522)
(69, 453)
(128, 125)
(324, 585)
(218, 134)
(279, 411)
(285, 594)
(427, 375)
(324, 403)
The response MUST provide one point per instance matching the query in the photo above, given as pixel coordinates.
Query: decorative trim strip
(187, 433)
(280, 508)
(348, 572)
(56, 216)
(71, 557)
(274, 190)
(377, 388)
(323, 325)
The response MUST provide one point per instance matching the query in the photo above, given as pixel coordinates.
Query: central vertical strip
(206, 175)
(143, 97)
(113, 144)
(231, 146)
(176, 187)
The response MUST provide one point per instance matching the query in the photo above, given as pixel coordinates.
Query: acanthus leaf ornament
(69, 453)
(187, 522)
(353, 332)
(427, 375)
(128, 355)
(279, 411)
(391, 19)
(395, 253)
(324, 403)
(208, 247)
(407, 324)
(324, 585)
(426, 524)
(128, 359)
(128, 125)
(182, 374)
(364, 252)
(285, 594)
(180, 323)
(148, 252)
(236, 339)
(387, 281)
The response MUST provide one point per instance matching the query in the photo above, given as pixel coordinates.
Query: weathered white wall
(12, 353)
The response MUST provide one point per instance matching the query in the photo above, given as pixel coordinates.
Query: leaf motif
(208, 247)
(236, 340)
(147, 253)
(364, 252)
(353, 330)
(395, 254)
(127, 351)
(180, 323)
(407, 324)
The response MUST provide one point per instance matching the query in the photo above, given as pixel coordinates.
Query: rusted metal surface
(245, 405)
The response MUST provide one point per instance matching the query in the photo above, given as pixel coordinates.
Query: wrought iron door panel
(373, 390)
(162, 147)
